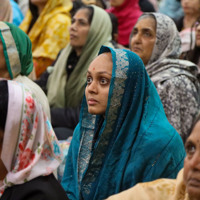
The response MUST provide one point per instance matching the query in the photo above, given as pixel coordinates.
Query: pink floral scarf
(30, 147)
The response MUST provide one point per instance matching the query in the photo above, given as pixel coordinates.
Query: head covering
(50, 32)
(17, 50)
(175, 80)
(127, 15)
(5, 11)
(18, 56)
(135, 142)
(71, 90)
(30, 148)
(166, 51)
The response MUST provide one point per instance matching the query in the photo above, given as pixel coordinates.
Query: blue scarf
(135, 141)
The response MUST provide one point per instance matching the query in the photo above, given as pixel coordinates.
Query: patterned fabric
(71, 90)
(18, 56)
(33, 150)
(50, 33)
(135, 143)
(161, 189)
(126, 18)
(175, 79)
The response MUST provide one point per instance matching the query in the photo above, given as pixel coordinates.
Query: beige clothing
(5, 11)
(161, 189)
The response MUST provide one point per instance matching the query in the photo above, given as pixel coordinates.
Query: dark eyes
(102, 80)
(190, 149)
(89, 80)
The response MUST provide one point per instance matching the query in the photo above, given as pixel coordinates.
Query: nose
(92, 87)
(136, 39)
(73, 26)
(195, 162)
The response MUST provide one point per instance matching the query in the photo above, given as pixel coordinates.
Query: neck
(40, 8)
(78, 51)
(189, 20)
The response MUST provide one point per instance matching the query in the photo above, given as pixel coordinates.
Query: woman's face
(197, 34)
(143, 39)
(191, 6)
(116, 3)
(3, 68)
(98, 82)
(79, 30)
(192, 163)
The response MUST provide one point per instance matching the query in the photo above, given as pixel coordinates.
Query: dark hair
(90, 12)
(35, 15)
(3, 103)
(76, 6)
(114, 22)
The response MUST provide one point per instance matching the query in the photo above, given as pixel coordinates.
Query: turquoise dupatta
(135, 143)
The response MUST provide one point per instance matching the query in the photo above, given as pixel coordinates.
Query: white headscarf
(30, 148)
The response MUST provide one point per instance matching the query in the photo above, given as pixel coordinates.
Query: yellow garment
(161, 189)
(50, 33)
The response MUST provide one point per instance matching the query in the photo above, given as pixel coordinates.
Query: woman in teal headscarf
(130, 141)
(16, 59)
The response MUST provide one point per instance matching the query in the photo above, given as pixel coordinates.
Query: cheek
(186, 170)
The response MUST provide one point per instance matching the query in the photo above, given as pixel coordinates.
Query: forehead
(146, 23)
(82, 13)
(195, 134)
(102, 62)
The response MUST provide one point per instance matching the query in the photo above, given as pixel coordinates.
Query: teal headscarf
(17, 49)
(135, 143)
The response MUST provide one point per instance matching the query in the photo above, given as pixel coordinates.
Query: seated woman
(156, 40)
(16, 60)
(91, 27)
(28, 147)
(123, 136)
(47, 23)
(185, 187)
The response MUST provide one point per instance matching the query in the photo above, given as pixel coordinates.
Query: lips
(194, 182)
(136, 49)
(92, 101)
(72, 36)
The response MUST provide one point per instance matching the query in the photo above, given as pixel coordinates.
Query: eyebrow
(102, 72)
(144, 29)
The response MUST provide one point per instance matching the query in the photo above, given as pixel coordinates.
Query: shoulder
(43, 187)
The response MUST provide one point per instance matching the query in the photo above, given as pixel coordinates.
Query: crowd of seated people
(98, 99)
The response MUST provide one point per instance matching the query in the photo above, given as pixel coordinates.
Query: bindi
(93, 68)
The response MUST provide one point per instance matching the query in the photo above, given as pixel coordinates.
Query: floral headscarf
(33, 150)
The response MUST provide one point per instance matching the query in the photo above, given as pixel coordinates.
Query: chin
(194, 193)
(95, 112)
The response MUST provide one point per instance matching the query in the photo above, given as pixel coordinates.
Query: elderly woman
(16, 60)
(29, 150)
(156, 40)
(185, 187)
(123, 136)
